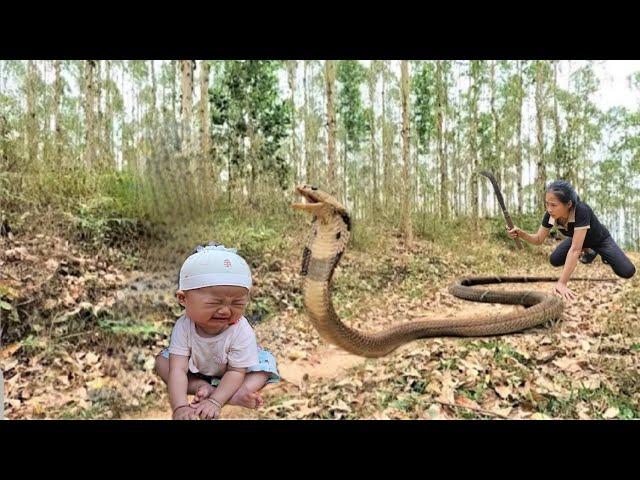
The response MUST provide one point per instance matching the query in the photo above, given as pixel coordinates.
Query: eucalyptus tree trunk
(292, 67)
(108, 123)
(307, 134)
(153, 123)
(32, 121)
(205, 139)
(343, 188)
(406, 175)
(442, 158)
(386, 146)
(496, 161)
(186, 109)
(330, 77)
(473, 137)
(175, 65)
(541, 174)
(89, 114)
(558, 153)
(97, 98)
(373, 80)
(57, 98)
(519, 163)
(207, 175)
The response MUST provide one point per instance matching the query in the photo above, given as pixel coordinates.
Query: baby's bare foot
(203, 392)
(247, 399)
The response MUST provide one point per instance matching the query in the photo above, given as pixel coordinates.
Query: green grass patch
(131, 328)
(501, 350)
(599, 399)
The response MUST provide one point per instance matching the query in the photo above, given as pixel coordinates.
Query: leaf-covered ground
(81, 333)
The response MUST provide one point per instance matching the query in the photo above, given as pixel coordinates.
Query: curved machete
(496, 189)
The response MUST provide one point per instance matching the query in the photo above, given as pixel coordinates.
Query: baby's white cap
(214, 265)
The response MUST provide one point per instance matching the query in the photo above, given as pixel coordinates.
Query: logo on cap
(227, 263)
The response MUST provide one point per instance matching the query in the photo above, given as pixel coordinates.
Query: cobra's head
(318, 203)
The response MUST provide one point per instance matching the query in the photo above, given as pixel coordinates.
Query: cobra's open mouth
(311, 201)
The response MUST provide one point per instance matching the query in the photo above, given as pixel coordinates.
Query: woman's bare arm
(573, 255)
(535, 239)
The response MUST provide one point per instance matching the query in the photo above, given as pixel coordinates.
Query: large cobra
(329, 237)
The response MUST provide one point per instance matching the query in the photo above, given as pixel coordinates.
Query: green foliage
(529, 222)
(261, 309)
(501, 350)
(581, 124)
(132, 329)
(566, 408)
(33, 344)
(246, 103)
(250, 158)
(424, 109)
(105, 209)
(101, 229)
(351, 114)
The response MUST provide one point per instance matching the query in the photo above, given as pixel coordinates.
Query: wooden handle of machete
(510, 225)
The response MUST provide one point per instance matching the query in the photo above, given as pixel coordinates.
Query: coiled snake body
(329, 237)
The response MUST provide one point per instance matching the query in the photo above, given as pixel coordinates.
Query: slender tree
(57, 99)
(441, 101)
(330, 76)
(292, 71)
(541, 175)
(406, 174)
(187, 67)
(89, 113)
(205, 136)
(374, 69)
(32, 121)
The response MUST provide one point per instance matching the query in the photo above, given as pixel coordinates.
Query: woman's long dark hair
(564, 191)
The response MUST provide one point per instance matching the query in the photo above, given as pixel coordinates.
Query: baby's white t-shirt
(234, 347)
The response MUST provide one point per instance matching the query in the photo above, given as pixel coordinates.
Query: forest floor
(84, 330)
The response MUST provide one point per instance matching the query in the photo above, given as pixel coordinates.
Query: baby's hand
(203, 392)
(186, 412)
(207, 410)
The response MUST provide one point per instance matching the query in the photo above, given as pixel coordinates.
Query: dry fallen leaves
(10, 350)
(503, 390)
(510, 376)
